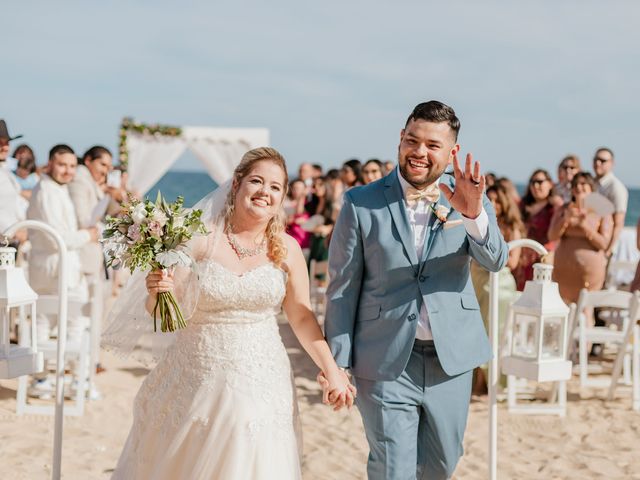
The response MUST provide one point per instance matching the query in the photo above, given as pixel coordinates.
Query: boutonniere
(441, 212)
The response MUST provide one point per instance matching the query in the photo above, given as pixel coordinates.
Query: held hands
(469, 188)
(159, 281)
(337, 390)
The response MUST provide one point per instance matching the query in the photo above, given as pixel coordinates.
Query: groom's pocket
(370, 312)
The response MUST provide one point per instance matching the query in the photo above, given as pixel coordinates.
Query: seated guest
(568, 167)
(388, 167)
(50, 203)
(537, 207)
(372, 171)
(351, 173)
(26, 173)
(580, 261)
(13, 206)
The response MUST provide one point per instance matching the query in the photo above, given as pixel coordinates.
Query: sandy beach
(597, 439)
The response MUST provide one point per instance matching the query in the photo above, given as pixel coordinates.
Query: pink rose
(134, 233)
(154, 229)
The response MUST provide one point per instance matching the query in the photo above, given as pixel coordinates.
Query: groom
(401, 313)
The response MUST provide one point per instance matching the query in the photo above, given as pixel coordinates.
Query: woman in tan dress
(579, 260)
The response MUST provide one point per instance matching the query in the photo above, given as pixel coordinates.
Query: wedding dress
(220, 404)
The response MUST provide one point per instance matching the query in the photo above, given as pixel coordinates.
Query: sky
(530, 81)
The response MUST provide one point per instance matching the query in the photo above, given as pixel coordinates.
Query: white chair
(78, 350)
(620, 272)
(318, 281)
(613, 305)
(630, 342)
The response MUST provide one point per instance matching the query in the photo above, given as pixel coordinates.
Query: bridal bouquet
(153, 235)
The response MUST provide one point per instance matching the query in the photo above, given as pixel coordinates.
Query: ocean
(195, 185)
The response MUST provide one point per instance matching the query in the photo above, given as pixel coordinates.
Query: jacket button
(422, 278)
(412, 316)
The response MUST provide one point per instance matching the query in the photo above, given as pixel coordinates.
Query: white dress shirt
(13, 206)
(418, 216)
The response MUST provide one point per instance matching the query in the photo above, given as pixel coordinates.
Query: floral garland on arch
(129, 125)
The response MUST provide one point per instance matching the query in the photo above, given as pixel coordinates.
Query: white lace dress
(220, 404)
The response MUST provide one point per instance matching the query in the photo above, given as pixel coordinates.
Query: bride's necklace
(241, 251)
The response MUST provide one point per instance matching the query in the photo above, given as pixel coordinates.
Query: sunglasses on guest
(601, 160)
(538, 181)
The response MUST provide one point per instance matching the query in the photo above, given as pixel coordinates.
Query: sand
(597, 439)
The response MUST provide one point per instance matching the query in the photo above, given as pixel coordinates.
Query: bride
(221, 404)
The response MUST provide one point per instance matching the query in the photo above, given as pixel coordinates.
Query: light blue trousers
(415, 424)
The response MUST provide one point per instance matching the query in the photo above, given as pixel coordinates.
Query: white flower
(441, 212)
(178, 222)
(173, 257)
(139, 213)
(159, 216)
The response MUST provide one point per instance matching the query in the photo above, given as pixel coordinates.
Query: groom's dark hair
(437, 112)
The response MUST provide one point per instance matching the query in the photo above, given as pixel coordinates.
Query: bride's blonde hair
(277, 251)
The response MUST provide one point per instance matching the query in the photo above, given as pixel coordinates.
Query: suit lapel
(435, 225)
(395, 202)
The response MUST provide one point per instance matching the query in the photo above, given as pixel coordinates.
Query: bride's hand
(337, 390)
(159, 281)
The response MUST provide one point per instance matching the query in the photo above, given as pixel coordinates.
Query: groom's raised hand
(469, 189)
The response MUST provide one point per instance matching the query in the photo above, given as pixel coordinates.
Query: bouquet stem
(171, 318)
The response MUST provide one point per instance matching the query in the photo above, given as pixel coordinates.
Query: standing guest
(635, 284)
(50, 203)
(490, 179)
(26, 171)
(318, 171)
(88, 189)
(13, 206)
(388, 167)
(351, 173)
(319, 248)
(335, 192)
(568, 167)
(612, 188)
(372, 171)
(297, 215)
(401, 310)
(579, 261)
(537, 208)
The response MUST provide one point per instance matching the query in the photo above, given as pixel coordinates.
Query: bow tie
(430, 194)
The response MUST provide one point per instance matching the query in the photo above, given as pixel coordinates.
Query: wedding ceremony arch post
(147, 151)
(494, 371)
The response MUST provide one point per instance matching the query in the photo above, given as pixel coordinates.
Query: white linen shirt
(418, 216)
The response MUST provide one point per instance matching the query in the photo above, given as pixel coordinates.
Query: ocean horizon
(195, 185)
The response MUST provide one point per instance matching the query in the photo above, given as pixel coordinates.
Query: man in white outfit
(51, 204)
(12, 205)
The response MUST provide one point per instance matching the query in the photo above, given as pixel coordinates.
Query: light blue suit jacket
(378, 283)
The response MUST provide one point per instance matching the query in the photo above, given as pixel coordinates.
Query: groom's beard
(423, 182)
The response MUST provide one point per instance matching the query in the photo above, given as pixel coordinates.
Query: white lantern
(16, 294)
(537, 342)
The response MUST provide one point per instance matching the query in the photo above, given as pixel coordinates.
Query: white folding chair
(630, 342)
(318, 281)
(78, 350)
(613, 305)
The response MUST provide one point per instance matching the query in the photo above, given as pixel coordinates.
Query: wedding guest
(611, 187)
(579, 261)
(319, 248)
(297, 215)
(537, 207)
(490, 178)
(388, 167)
(50, 203)
(13, 206)
(568, 167)
(318, 171)
(351, 173)
(510, 188)
(635, 284)
(372, 171)
(26, 173)
(89, 192)
(335, 192)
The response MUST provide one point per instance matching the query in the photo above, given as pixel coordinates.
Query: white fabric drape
(150, 157)
(219, 149)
